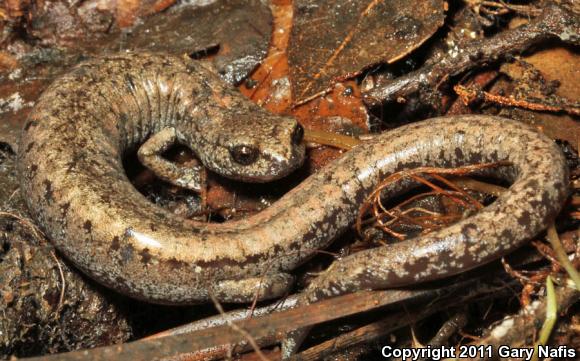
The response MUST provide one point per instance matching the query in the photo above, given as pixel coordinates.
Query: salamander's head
(254, 146)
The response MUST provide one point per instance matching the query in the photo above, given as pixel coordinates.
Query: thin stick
(554, 22)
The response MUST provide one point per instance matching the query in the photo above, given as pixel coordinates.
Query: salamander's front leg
(150, 156)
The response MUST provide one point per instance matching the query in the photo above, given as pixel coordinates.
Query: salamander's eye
(244, 154)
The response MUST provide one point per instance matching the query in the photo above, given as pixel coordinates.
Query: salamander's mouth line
(74, 184)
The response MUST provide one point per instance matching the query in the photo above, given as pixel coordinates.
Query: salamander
(70, 162)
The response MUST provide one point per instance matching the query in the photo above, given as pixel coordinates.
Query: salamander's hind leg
(247, 289)
(150, 156)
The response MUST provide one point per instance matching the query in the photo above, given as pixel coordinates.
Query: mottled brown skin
(70, 163)
(539, 178)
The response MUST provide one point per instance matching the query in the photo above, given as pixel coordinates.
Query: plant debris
(548, 76)
(426, 83)
(386, 218)
(338, 39)
(316, 48)
(46, 306)
(237, 31)
(469, 95)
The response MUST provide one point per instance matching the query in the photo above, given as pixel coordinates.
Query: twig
(240, 330)
(63, 286)
(387, 325)
(270, 326)
(26, 223)
(504, 8)
(547, 253)
(555, 22)
(332, 139)
(468, 95)
(473, 184)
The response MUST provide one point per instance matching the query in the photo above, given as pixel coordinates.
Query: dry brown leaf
(337, 39)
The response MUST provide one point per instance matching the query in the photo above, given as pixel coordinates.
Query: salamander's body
(70, 163)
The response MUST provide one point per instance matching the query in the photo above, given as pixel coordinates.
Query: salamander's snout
(298, 134)
(282, 150)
